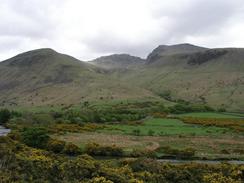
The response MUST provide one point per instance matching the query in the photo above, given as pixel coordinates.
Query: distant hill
(196, 74)
(44, 76)
(118, 61)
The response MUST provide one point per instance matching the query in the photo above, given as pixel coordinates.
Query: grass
(209, 141)
(163, 127)
(211, 115)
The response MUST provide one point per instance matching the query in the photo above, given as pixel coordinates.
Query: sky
(87, 29)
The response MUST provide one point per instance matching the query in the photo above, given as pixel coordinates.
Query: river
(4, 131)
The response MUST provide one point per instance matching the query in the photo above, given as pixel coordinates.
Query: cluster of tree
(120, 112)
(98, 116)
(20, 163)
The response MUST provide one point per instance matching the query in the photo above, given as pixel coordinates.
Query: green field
(163, 127)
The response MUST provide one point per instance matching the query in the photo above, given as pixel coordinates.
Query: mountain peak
(32, 57)
(167, 50)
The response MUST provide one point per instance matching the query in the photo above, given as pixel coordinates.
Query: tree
(5, 115)
(35, 137)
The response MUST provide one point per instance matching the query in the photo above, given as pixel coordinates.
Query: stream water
(4, 131)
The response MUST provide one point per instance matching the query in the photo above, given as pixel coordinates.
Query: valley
(123, 118)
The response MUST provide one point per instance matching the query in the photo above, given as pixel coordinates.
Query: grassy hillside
(43, 77)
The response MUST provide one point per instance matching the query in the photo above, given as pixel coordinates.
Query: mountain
(44, 76)
(118, 61)
(211, 76)
(196, 74)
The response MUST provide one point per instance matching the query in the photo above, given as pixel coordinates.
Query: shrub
(182, 154)
(145, 164)
(35, 137)
(235, 124)
(142, 153)
(185, 108)
(71, 149)
(98, 150)
(99, 180)
(55, 146)
(218, 178)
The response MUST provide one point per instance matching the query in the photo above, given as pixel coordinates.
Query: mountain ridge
(201, 75)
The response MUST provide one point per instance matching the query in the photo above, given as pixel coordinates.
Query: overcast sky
(90, 28)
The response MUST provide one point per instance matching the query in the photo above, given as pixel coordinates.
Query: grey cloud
(197, 18)
(39, 20)
(107, 42)
(25, 18)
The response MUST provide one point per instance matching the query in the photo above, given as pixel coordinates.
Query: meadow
(150, 134)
